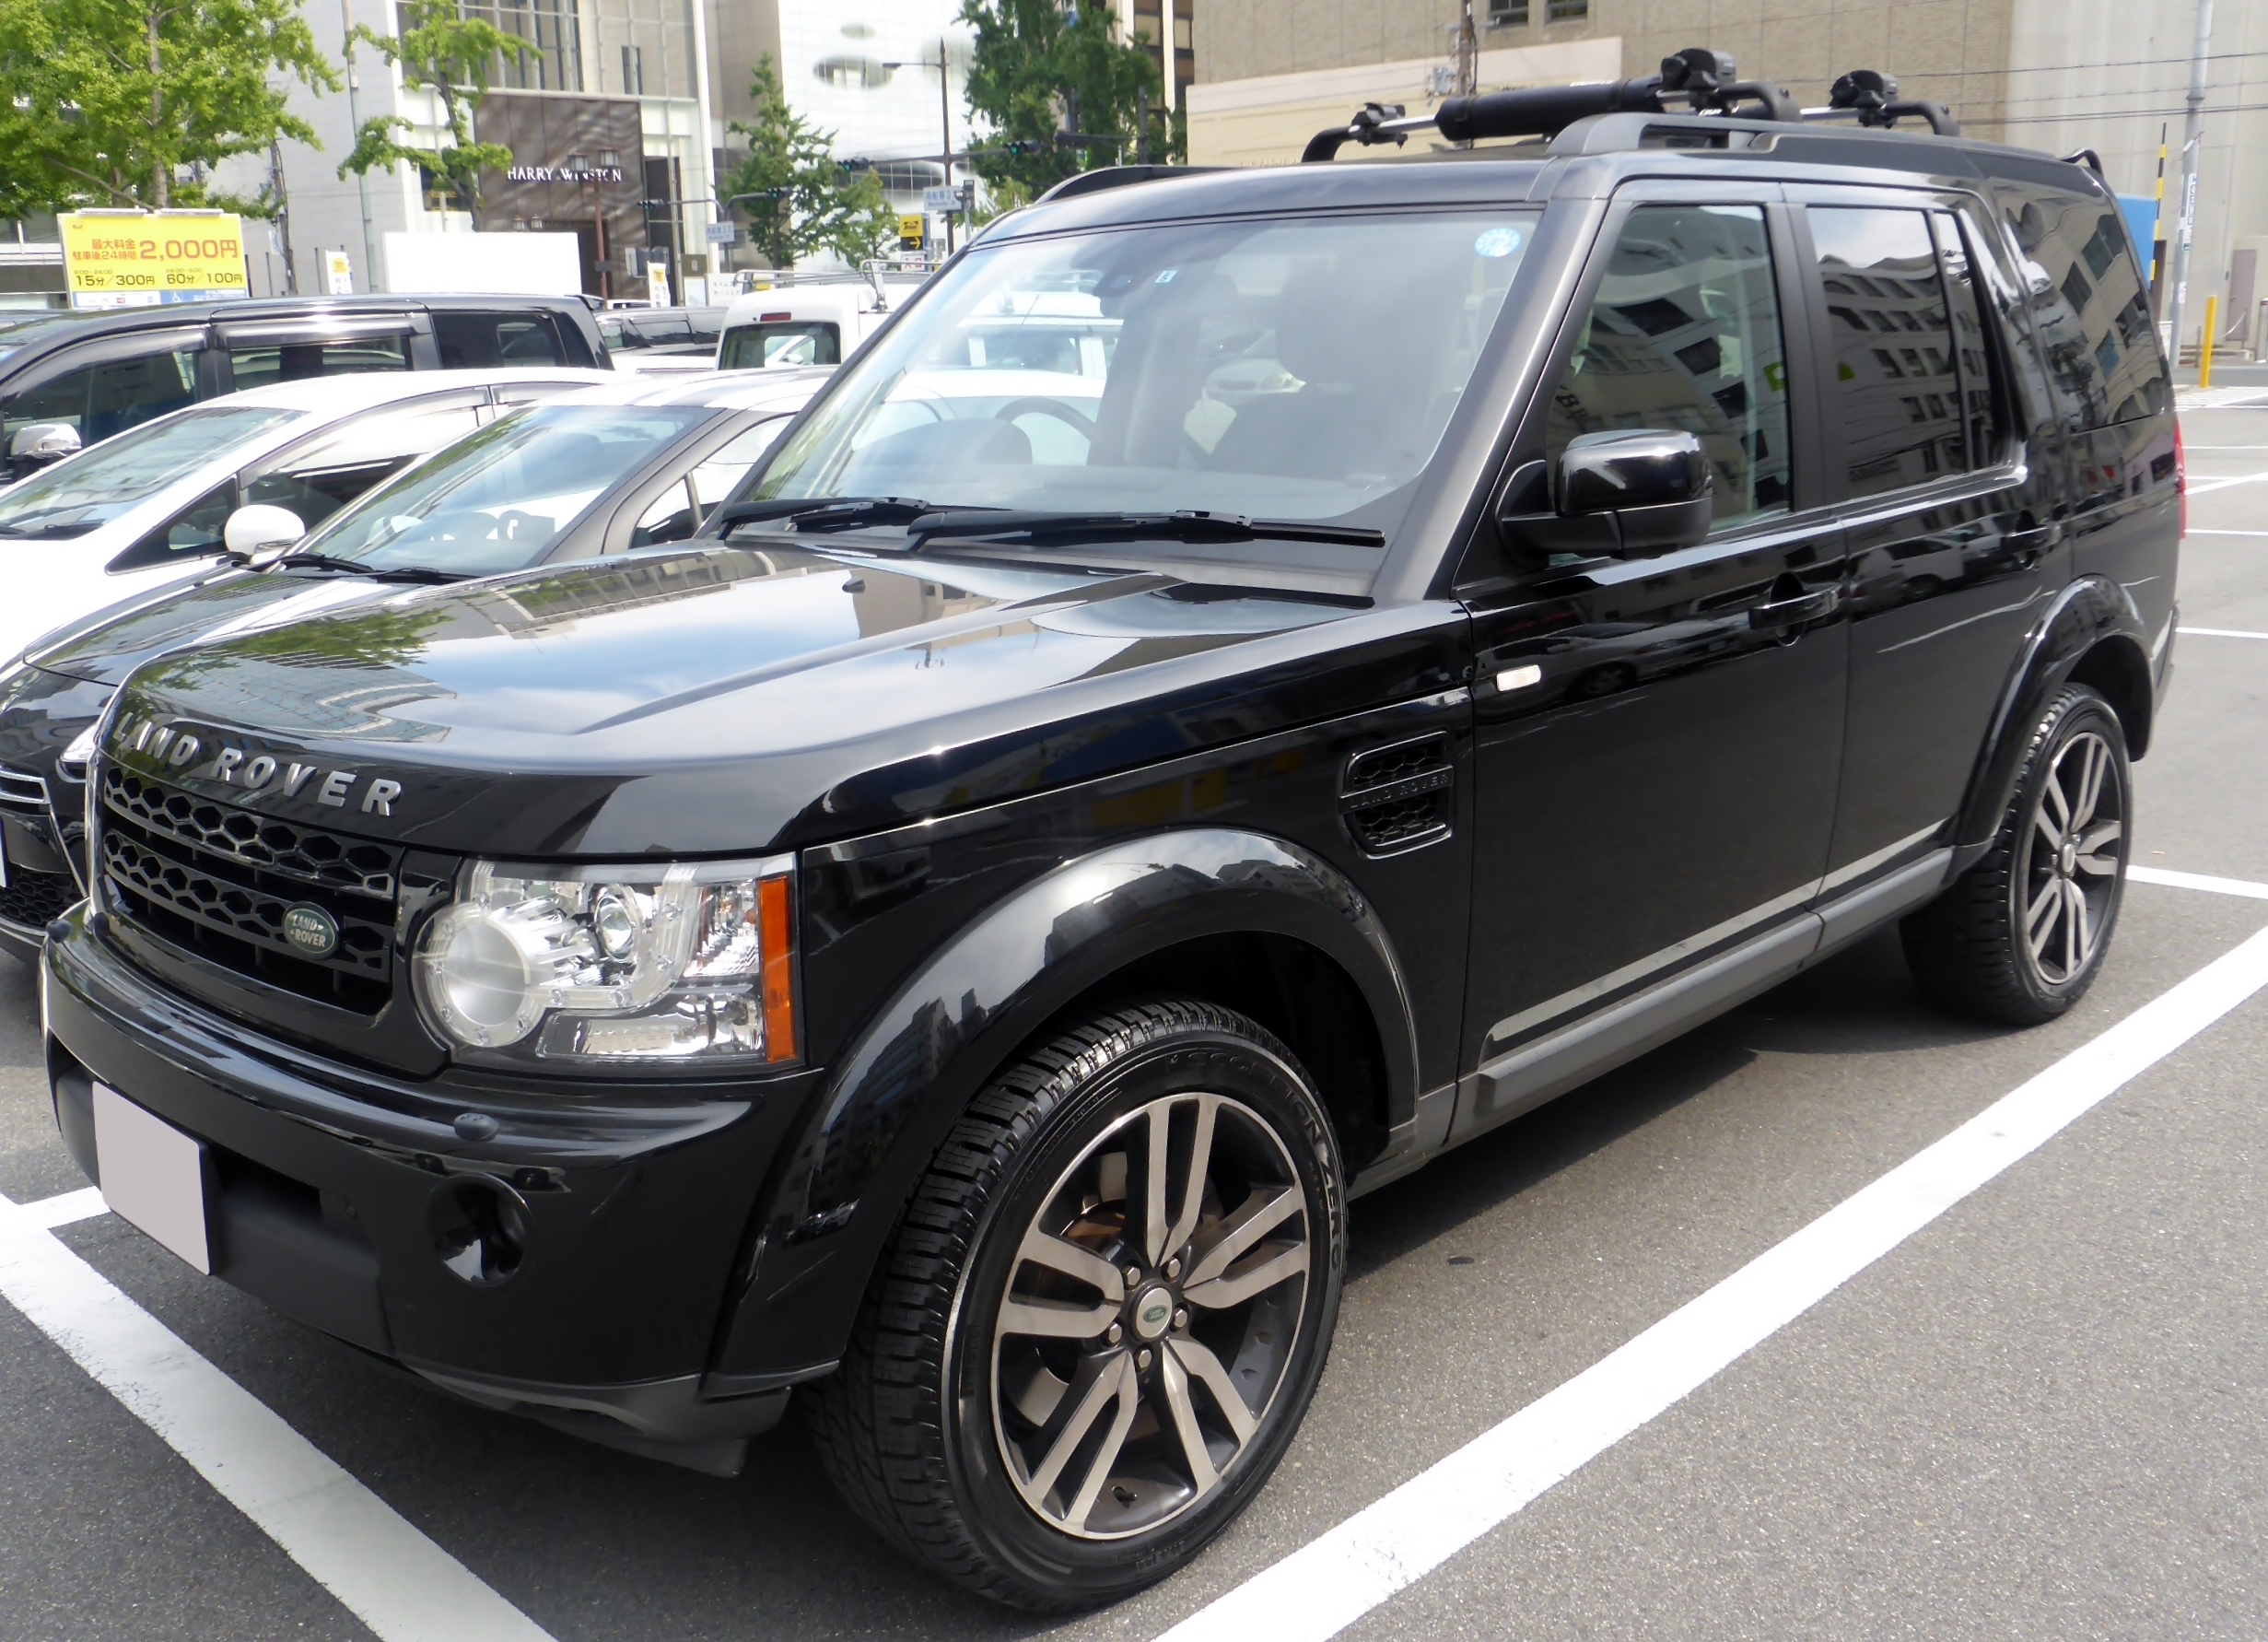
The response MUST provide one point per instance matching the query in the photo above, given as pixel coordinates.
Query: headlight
(81, 752)
(613, 963)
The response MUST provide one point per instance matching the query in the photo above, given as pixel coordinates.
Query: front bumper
(615, 1217)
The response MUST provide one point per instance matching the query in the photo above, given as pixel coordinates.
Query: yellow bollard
(2204, 346)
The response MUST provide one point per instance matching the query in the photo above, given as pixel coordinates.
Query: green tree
(453, 56)
(107, 103)
(1040, 67)
(798, 198)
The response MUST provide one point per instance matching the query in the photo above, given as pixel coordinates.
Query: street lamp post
(2192, 141)
(353, 118)
(944, 114)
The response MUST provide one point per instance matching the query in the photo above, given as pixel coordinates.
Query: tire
(1000, 1317)
(2020, 936)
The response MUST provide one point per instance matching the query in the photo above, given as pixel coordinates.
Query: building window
(633, 71)
(1507, 14)
(1566, 11)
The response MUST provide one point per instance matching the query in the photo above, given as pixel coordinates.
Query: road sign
(909, 233)
(941, 201)
(121, 259)
(337, 272)
(724, 233)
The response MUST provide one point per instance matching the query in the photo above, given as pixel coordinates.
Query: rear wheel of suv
(2020, 935)
(1103, 1313)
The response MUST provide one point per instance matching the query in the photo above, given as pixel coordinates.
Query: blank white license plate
(153, 1175)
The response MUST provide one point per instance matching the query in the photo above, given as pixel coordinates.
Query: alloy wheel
(1152, 1305)
(2072, 857)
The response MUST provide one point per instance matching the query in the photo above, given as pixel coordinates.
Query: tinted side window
(1972, 347)
(1685, 334)
(316, 481)
(101, 400)
(477, 341)
(264, 363)
(193, 533)
(2090, 306)
(1896, 385)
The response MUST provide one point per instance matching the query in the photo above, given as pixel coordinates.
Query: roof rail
(1118, 176)
(1709, 82)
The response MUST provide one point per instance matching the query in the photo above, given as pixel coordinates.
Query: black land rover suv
(953, 940)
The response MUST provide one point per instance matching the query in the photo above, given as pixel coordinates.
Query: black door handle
(1794, 612)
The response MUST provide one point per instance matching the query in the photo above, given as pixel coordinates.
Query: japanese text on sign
(117, 260)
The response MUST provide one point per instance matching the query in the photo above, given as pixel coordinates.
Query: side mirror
(1653, 483)
(1613, 496)
(254, 529)
(39, 443)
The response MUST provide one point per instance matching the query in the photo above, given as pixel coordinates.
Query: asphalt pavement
(2044, 1412)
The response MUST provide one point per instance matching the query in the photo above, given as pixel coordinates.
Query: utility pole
(283, 214)
(2193, 138)
(353, 118)
(944, 114)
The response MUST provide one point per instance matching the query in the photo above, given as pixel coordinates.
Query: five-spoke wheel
(2020, 934)
(1104, 1312)
(1155, 1300)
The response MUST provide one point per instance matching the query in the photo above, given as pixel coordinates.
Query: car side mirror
(254, 529)
(39, 443)
(1653, 483)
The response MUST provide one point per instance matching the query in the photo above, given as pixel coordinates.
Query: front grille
(216, 881)
(1399, 797)
(31, 900)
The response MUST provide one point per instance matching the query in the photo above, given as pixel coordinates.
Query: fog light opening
(479, 1227)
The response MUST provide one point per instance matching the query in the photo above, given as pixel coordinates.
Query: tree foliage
(800, 198)
(452, 56)
(107, 103)
(1040, 67)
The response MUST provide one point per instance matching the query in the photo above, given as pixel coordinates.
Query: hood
(720, 700)
(106, 646)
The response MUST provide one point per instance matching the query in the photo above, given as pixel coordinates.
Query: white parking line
(67, 1209)
(2172, 880)
(2206, 486)
(2194, 531)
(2218, 633)
(1332, 1581)
(390, 1576)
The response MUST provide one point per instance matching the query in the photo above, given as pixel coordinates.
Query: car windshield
(494, 501)
(1298, 370)
(87, 491)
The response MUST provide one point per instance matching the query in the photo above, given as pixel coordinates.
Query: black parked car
(98, 373)
(954, 943)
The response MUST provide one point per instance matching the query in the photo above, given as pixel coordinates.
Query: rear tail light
(2180, 477)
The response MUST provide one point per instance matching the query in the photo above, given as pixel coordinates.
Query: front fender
(2092, 612)
(961, 1017)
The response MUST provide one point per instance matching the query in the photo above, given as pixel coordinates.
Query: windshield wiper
(1187, 524)
(823, 513)
(353, 567)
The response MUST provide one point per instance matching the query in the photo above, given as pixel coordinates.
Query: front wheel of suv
(2021, 934)
(1103, 1313)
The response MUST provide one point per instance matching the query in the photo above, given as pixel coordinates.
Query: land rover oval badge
(312, 930)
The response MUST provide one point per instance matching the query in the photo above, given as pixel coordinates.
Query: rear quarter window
(484, 341)
(2089, 307)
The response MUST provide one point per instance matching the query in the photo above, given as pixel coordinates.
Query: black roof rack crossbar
(1707, 81)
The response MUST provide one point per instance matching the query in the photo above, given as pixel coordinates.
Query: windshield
(494, 501)
(1298, 370)
(84, 492)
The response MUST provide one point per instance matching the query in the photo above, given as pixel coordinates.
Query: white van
(805, 324)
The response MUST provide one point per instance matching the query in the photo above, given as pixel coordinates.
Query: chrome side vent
(1399, 797)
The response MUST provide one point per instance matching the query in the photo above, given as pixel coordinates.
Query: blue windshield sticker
(1497, 242)
(1166, 277)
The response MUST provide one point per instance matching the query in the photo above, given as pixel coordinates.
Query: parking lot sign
(138, 259)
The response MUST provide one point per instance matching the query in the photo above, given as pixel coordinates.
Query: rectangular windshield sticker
(1165, 276)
